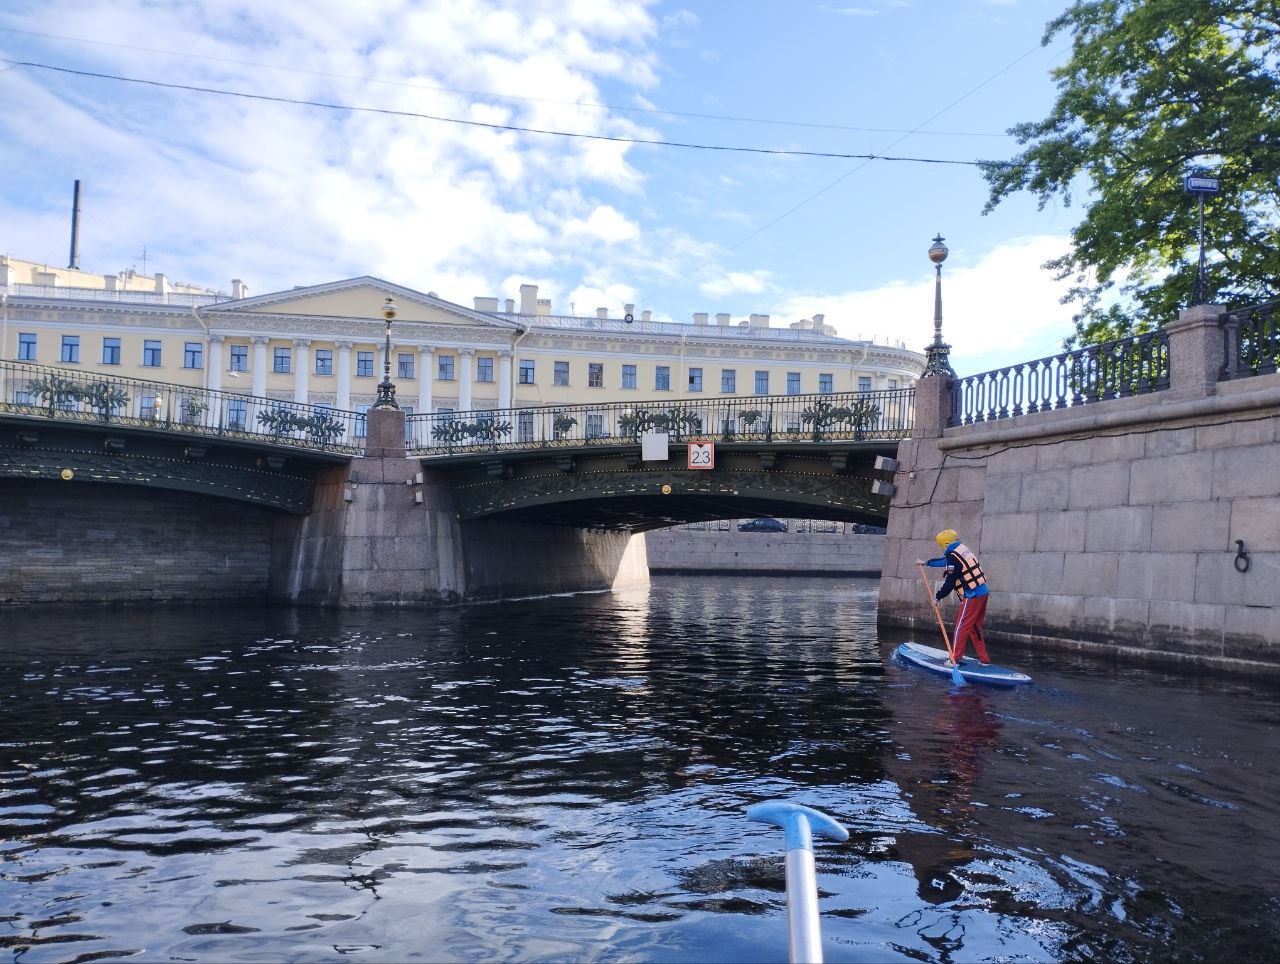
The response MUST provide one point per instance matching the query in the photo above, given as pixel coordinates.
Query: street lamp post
(936, 354)
(387, 390)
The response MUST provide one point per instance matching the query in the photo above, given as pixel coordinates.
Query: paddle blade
(957, 677)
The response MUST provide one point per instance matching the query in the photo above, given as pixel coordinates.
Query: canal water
(565, 779)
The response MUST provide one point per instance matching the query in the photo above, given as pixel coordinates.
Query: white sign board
(702, 455)
(653, 447)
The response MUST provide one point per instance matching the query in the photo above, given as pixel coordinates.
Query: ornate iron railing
(1250, 341)
(761, 418)
(67, 394)
(1095, 373)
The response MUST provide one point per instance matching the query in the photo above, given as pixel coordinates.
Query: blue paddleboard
(935, 661)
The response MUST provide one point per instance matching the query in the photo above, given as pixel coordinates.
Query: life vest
(971, 574)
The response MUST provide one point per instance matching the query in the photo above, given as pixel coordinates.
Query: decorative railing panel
(774, 418)
(66, 394)
(1114, 369)
(1250, 341)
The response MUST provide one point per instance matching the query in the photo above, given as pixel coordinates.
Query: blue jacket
(955, 567)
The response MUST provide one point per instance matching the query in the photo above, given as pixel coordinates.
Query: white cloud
(736, 282)
(281, 195)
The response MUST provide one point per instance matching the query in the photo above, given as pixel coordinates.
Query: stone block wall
(88, 542)
(765, 553)
(1112, 525)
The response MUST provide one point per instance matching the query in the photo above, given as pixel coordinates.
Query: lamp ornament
(386, 390)
(936, 354)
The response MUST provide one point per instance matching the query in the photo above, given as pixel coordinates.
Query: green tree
(1154, 90)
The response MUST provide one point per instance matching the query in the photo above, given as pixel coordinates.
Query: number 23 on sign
(702, 455)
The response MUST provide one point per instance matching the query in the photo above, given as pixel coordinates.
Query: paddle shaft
(938, 613)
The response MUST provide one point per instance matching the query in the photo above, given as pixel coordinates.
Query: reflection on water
(566, 779)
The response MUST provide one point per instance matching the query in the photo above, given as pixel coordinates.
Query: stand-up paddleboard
(935, 661)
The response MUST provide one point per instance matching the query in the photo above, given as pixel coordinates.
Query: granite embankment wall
(1111, 526)
(707, 551)
(79, 542)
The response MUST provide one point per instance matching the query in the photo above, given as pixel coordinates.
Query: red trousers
(973, 610)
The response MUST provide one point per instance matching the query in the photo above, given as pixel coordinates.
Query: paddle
(957, 678)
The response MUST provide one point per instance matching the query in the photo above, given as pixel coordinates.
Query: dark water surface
(565, 779)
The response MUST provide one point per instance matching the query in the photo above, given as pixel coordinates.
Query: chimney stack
(528, 299)
(646, 315)
(699, 317)
(602, 313)
(511, 306)
(239, 289)
(759, 321)
(722, 318)
(486, 304)
(542, 306)
(75, 228)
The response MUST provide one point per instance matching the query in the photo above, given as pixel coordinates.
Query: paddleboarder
(964, 576)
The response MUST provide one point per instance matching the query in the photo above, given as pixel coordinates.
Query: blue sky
(283, 195)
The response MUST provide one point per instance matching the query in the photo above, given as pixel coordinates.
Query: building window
(826, 384)
(628, 376)
(595, 425)
(864, 383)
(662, 378)
(762, 383)
(146, 406)
(893, 383)
(237, 414)
(71, 348)
(283, 361)
(526, 371)
(484, 369)
(444, 370)
(364, 364)
(595, 375)
(560, 374)
(193, 355)
(239, 358)
(728, 381)
(695, 379)
(793, 383)
(111, 351)
(362, 421)
(151, 354)
(404, 365)
(524, 427)
(26, 347)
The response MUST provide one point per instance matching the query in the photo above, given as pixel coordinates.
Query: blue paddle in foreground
(800, 823)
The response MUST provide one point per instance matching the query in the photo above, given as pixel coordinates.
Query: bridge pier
(386, 532)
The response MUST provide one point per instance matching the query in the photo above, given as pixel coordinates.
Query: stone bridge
(108, 485)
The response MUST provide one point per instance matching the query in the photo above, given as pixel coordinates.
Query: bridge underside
(615, 490)
(243, 472)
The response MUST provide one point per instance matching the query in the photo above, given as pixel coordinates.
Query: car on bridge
(763, 525)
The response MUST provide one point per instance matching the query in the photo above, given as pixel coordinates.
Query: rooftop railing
(104, 294)
(68, 395)
(1095, 373)
(735, 331)
(768, 418)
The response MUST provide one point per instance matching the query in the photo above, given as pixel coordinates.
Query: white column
(466, 376)
(426, 377)
(260, 365)
(302, 369)
(343, 401)
(213, 377)
(504, 379)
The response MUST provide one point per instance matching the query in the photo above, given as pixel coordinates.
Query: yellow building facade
(323, 345)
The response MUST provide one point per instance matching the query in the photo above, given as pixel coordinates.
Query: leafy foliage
(1154, 90)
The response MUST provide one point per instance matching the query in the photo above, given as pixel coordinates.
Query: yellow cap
(946, 537)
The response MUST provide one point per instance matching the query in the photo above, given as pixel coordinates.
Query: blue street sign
(1199, 184)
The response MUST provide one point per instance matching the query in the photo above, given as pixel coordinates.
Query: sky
(281, 195)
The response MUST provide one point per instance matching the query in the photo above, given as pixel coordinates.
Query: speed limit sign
(702, 455)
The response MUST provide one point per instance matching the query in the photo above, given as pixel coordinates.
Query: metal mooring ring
(1242, 557)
